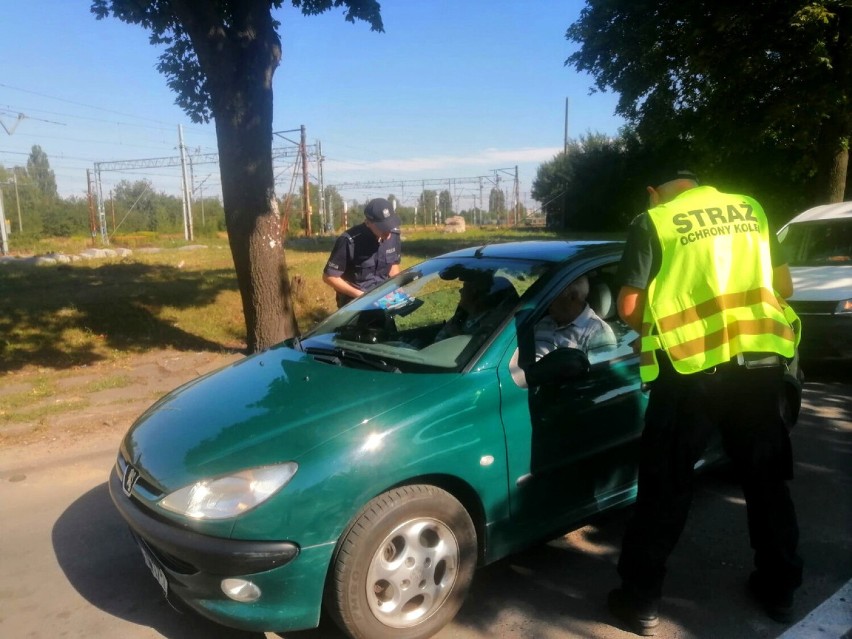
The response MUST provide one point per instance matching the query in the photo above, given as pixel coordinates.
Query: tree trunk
(254, 234)
(833, 162)
(835, 132)
(238, 61)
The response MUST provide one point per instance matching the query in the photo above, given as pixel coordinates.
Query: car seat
(601, 298)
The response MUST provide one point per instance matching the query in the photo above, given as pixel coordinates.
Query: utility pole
(112, 210)
(99, 192)
(93, 225)
(4, 240)
(565, 147)
(435, 211)
(517, 196)
(187, 202)
(325, 216)
(200, 188)
(481, 201)
(18, 202)
(306, 198)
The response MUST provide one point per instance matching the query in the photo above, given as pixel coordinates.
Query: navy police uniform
(359, 257)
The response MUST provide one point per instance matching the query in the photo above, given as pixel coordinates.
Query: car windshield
(433, 317)
(818, 243)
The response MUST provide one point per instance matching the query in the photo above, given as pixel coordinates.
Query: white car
(818, 245)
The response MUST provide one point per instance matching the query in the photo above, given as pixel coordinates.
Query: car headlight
(231, 495)
(844, 306)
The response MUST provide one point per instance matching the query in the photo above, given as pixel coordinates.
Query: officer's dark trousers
(682, 412)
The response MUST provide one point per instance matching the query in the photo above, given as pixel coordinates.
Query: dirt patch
(97, 401)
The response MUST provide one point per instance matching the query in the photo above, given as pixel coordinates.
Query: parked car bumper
(826, 336)
(191, 568)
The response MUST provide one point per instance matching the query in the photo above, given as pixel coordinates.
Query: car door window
(574, 439)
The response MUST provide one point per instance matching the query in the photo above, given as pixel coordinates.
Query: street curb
(832, 619)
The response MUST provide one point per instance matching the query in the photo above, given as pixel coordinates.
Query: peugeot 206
(370, 466)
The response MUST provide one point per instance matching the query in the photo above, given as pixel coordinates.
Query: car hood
(268, 408)
(821, 283)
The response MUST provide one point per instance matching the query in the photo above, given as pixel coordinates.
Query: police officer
(704, 281)
(366, 255)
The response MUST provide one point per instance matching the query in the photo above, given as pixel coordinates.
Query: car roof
(542, 250)
(824, 212)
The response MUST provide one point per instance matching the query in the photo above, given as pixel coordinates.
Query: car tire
(403, 568)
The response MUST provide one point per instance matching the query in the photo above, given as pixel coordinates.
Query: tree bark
(832, 186)
(835, 132)
(239, 61)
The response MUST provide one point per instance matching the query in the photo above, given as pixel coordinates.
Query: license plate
(158, 573)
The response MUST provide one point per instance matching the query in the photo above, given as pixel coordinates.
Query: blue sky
(451, 89)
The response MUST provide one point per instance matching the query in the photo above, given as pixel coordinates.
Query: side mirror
(560, 365)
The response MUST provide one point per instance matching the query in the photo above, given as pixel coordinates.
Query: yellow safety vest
(713, 297)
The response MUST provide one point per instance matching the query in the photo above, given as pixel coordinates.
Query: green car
(370, 466)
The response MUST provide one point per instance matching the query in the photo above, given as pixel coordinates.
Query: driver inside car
(572, 323)
(481, 293)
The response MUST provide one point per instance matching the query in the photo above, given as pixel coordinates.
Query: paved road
(70, 569)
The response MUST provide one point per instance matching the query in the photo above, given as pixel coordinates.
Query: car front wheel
(403, 568)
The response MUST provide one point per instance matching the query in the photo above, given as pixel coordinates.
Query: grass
(40, 389)
(38, 413)
(56, 320)
(58, 317)
(37, 402)
(109, 382)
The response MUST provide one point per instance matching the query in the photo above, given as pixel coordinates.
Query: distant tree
(427, 206)
(406, 214)
(168, 212)
(219, 59)
(592, 186)
(292, 222)
(496, 203)
(134, 206)
(22, 194)
(56, 221)
(212, 215)
(334, 202)
(722, 78)
(76, 211)
(39, 171)
(12, 195)
(445, 204)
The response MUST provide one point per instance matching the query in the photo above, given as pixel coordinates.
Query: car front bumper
(826, 337)
(191, 566)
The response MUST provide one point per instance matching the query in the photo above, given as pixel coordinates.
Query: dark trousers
(682, 412)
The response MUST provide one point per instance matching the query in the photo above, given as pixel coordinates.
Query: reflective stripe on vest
(712, 298)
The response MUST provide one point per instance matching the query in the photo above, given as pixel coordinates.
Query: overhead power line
(82, 104)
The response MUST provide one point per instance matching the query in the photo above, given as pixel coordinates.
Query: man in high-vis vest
(703, 281)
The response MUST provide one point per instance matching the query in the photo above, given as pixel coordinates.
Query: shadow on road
(102, 562)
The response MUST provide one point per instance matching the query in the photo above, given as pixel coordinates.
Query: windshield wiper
(338, 356)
